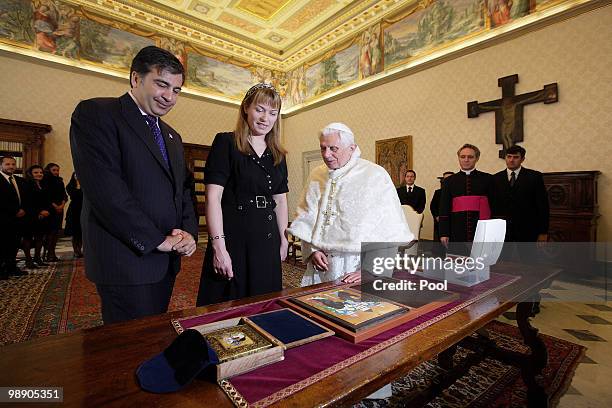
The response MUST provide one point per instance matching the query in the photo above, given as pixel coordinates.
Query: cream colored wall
(38, 91)
(573, 134)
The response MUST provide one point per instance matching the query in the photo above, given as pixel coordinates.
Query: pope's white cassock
(343, 208)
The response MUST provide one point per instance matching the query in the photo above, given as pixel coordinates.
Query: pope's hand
(353, 277)
(319, 261)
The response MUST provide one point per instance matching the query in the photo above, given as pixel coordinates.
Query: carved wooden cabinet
(24, 140)
(574, 211)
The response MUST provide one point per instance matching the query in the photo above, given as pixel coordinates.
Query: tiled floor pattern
(569, 311)
(579, 314)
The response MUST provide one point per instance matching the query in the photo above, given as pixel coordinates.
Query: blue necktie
(159, 140)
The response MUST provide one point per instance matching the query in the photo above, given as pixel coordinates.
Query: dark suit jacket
(9, 204)
(416, 199)
(524, 206)
(131, 200)
(434, 207)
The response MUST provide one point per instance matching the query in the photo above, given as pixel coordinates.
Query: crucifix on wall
(509, 110)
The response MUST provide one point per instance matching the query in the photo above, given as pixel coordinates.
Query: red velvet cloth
(311, 362)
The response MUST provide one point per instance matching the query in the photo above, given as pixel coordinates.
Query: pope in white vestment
(347, 201)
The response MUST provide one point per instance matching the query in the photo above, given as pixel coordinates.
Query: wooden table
(96, 366)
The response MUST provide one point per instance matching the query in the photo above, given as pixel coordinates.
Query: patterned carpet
(60, 298)
(490, 383)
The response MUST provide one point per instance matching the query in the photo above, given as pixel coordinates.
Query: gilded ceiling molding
(416, 44)
(338, 30)
(130, 27)
(166, 23)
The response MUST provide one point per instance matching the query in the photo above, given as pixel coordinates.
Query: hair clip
(261, 85)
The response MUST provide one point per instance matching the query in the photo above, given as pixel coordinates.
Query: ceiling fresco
(310, 50)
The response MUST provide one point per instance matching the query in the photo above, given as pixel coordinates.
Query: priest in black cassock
(464, 200)
(411, 194)
(521, 199)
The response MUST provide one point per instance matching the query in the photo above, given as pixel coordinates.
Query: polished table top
(97, 366)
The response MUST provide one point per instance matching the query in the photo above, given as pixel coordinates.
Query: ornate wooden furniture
(24, 140)
(574, 211)
(195, 157)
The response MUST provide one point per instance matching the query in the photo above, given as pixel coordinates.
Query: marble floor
(588, 323)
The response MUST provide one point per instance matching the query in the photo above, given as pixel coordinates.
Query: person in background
(12, 213)
(411, 194)
(246, 203)
(39, 210)
(73, 215)
(465, 199)
(434, 206)
(521, 199)
(53, 183)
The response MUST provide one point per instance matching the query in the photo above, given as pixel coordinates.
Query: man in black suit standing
(13, 193)
(410, 194)
(521, 199)
(434, 205)
(137, 215)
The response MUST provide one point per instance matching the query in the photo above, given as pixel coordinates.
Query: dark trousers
(9, 245)
(127, 302)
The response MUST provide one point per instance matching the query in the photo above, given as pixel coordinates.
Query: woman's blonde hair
(264, 94)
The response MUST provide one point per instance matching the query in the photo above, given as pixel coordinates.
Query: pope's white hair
(346, 134)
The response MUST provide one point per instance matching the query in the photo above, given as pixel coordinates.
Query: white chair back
(414, 219)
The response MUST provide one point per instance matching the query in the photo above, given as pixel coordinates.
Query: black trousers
(9, 245)
(127, 302)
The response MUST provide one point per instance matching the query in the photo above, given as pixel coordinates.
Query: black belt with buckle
(259, 201)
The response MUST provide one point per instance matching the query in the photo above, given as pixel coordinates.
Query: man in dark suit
(521, 199)
(137, 215)
(410, 194)
(434, 205)
(13, 193)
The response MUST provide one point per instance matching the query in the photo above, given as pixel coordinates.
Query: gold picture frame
(395, 156)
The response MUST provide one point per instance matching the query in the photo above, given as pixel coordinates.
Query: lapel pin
(170, 135)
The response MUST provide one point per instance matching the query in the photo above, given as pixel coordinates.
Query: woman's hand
(43, 214)
(284, 246)
(222, 263)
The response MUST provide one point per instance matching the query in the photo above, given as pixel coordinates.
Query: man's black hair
(516, 149)
(152, 57)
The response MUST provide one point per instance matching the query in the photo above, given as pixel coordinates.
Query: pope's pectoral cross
(509, 110)
(329, 213)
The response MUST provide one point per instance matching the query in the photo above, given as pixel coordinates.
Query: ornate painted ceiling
(309, 50)
(275, 34)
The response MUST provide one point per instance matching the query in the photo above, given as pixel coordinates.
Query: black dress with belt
(249, 223)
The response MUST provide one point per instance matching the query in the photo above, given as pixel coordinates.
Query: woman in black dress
(57, 191)
(38, 210)
(73, 215)
(246, 204)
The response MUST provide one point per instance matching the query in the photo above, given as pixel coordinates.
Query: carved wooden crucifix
(509, 110)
